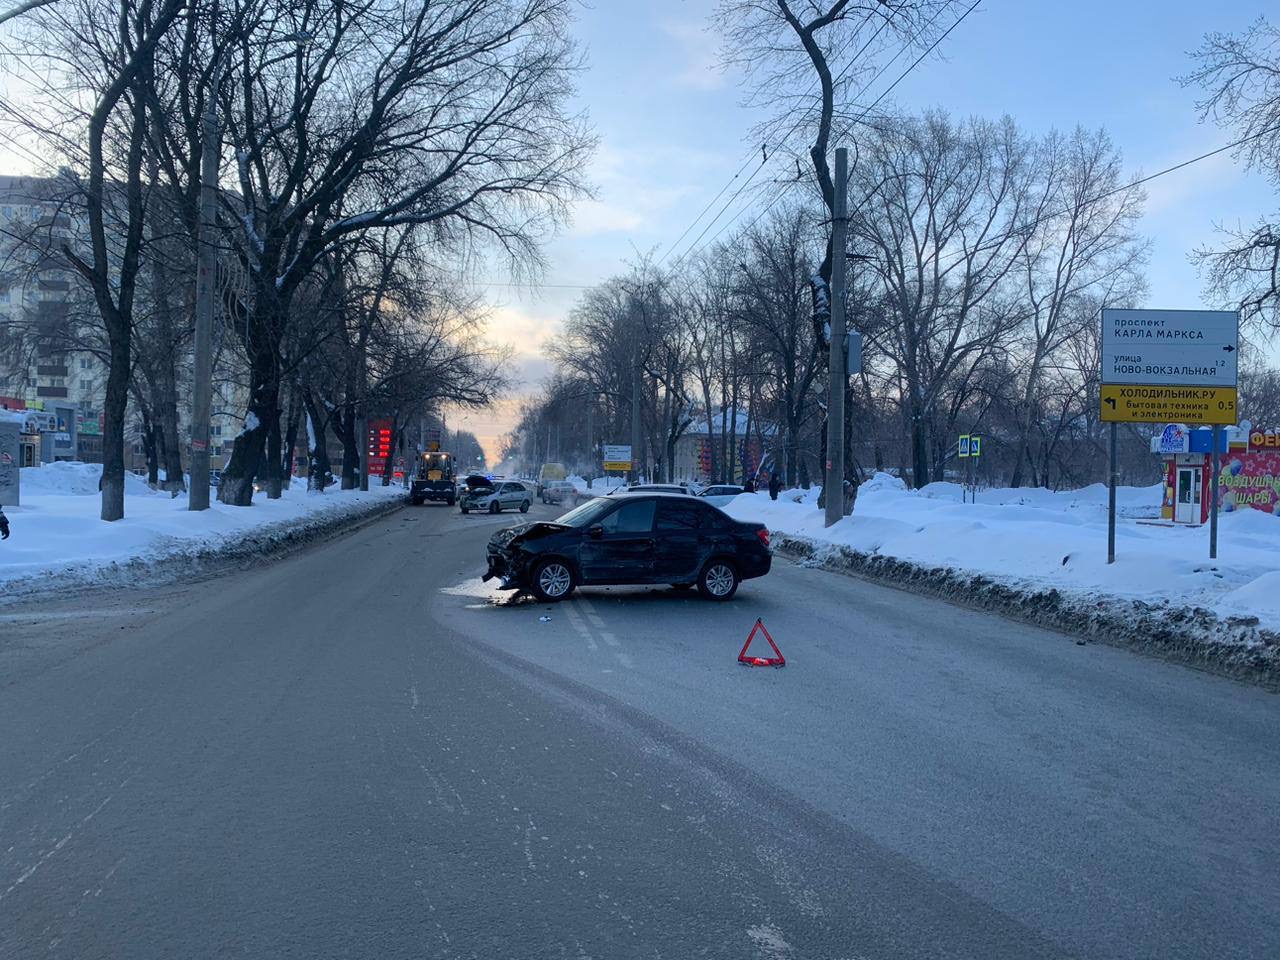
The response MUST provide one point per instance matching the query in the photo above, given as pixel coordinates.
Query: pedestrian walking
(4, 525)
(775, 484)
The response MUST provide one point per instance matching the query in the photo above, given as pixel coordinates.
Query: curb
(1234, 647)
(187, 564)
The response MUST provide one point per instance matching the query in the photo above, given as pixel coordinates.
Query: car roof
(657, 494)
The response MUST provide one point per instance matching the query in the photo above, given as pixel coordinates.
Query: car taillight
(763, 534)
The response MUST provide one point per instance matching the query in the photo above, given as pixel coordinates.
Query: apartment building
(41, 370)
(47, 367)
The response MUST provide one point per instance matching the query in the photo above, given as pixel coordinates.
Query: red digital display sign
(379, 449)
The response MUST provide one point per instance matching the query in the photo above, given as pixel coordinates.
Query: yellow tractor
(433, 479)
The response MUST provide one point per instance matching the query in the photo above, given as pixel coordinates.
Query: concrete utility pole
(635, 421)
(834, 480)
(591, 438)
(206, 266)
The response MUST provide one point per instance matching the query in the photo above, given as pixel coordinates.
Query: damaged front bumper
(508, 572)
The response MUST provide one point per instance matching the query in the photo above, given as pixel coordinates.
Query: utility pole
(635, 418)
(206, 266)
(591, 438)
(834, 481)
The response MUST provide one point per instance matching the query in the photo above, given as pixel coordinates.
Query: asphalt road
(361, 751)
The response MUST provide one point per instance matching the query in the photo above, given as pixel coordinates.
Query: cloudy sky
(672, 131)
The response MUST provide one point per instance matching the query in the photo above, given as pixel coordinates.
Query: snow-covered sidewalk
(1031, 541)
(58, 539)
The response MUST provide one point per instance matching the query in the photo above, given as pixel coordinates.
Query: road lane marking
(580, 627)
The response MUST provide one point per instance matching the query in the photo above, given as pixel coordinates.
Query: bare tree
(784, 45)
(1241, 79)
(945, 230)
(450, 115)
(772, 304)
(94, 58)
(1084, 241)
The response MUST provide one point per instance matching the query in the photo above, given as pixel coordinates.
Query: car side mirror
(595, 532)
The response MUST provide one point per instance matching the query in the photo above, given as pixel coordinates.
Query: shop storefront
(1250, 477)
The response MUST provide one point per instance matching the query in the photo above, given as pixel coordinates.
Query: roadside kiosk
(1250, 471)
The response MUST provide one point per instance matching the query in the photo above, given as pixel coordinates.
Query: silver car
(721, 493)
(503, 495)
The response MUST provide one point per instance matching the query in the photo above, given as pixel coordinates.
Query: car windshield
(587, 514)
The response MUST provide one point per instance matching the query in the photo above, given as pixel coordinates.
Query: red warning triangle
(778, 660)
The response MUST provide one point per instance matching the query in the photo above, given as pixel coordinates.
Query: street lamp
(206, 267)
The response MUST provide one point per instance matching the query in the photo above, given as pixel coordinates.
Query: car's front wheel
(495, 507)
(524, 506)
(552, 580)
(719, 580)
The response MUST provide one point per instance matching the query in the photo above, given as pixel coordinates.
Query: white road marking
(581, 627)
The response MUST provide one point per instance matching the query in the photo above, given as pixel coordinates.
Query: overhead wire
(1127, 185)
(862, 116)
(764, 159)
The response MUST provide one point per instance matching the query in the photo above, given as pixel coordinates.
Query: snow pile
(59, 540)
(1037, 540)
(76, 479)
(599, 486)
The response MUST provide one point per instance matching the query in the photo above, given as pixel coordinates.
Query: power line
(848, 66)
(915, 63)
(1031, 224)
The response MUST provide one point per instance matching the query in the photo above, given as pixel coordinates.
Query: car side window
(635, 517)
(678, 515)
(713, 519)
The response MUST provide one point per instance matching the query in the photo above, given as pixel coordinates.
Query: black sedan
(634, 538)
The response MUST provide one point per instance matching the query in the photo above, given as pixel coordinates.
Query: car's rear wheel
(495, 507)
(719, 580)
(524, 506)
(552, 580)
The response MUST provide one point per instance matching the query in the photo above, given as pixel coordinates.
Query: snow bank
(77, 479)
(58, 539)
(1038, 540)
(599, 485)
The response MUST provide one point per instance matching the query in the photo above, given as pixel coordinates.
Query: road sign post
(617, 456)
(1168, 366)
(1113, 475)
(975, 451)
(1213, 493)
